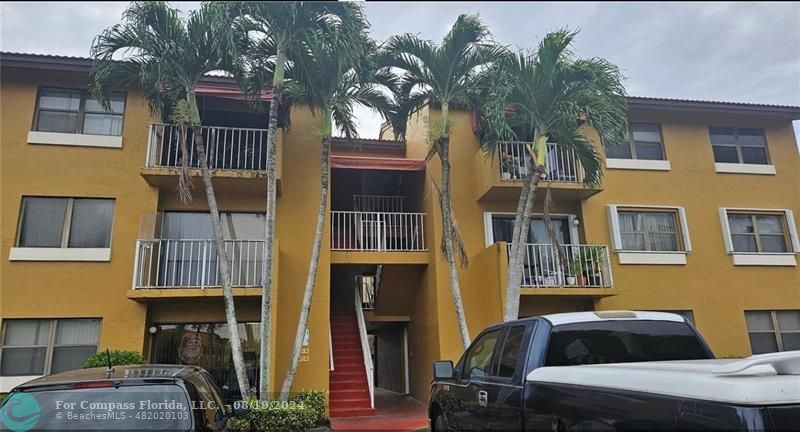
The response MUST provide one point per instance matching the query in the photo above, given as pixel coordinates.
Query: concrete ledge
(187, 293)
(76, 140)
(373, 257)
(638, 164)
(765, 259)
(59, 254)
(676, 258)
(736, 168)
(568, 291)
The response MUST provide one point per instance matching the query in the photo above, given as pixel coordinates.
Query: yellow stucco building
(696, 214)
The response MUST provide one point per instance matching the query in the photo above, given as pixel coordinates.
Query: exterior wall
(72, 289)
(709, 284)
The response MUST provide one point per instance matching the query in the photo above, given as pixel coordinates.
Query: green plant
(313, 400)
(302, 412)
(118, 358)
(575, 267)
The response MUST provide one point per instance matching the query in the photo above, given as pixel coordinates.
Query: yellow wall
(709, 284)
(72, 289)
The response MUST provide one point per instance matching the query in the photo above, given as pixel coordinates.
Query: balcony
(190, 268)
(372, 237)
(236, 155)
(575, 266)
(509, 167)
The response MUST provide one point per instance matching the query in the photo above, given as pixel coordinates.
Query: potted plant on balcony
(576, 276)
(507, 166)
(594, 259)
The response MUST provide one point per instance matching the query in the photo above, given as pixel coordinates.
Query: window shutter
(613, 222)
(792, 230)
(726, 229)
(687, 242)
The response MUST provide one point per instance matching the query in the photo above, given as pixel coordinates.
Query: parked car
(147, 397)
(613, 370)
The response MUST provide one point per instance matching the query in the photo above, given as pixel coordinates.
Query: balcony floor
(152, 294)
(560, 191)
(225, 181)
(378, 257)
(568, 291)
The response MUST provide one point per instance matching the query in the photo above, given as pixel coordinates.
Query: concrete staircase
(349, 396)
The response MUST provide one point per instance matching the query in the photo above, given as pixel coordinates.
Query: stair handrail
(362, 330)
(330, 351)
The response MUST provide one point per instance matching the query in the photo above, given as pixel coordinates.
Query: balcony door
(189, 256)
(542, 266)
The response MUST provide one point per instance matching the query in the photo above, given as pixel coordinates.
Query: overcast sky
(743, 52)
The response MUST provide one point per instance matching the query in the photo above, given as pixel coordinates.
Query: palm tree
(442, 75)
(277, 35)
(549, 95)
(338, 74)
(166, 56)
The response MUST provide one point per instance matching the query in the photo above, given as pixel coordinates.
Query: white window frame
(761, 258)
(13, 380)
(776, 330)
(649, 257)
(488, 233)
(63, 252)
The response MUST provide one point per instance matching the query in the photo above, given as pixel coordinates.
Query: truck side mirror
(443, 369)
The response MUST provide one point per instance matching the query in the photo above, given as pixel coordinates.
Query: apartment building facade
(696, 214)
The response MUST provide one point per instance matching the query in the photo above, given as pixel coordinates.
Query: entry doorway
(390, 356)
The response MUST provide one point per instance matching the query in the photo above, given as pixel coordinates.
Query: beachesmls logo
(20, 413)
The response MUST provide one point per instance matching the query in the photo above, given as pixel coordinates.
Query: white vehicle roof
(765, 379)
(580, 317)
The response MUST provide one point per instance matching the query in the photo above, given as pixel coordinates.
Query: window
(739, 145)
(772, 331)
(75, 111)
(509, 358)
(623, 342)
(479, 358)
(758, 232)
(503, 229)
(42, 347)
(48, 222)
(644, 142)
(649, 230)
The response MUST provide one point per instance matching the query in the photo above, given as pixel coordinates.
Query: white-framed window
(56, 222)
(64, 229)
(739, 145)
(773, 331)
(75, 111)
(32, 347)
(644, 142)
(760, 236)
(649, 234)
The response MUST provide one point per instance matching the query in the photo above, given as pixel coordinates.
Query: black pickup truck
(616, 370)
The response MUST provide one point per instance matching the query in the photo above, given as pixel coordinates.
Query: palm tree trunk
(448, 228)
(313, 265)
(522, 220)
(222, 256)
(265, 327)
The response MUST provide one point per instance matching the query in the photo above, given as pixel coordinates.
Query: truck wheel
(438, 423)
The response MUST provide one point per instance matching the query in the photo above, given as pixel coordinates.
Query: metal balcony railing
(562, 165)
(581, 266)
(226, 147)
(195, 263)
(377, 231)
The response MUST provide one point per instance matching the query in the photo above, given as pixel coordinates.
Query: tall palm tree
(166, 56)
(549, 95)
(338, 74)
(277, 35)
(442, 75)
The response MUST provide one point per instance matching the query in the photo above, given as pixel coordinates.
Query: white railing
(379, 203)
(562, 165)
(195, 263)
(582, 266)
(362, 335)
(226, 147)
(377, 231)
